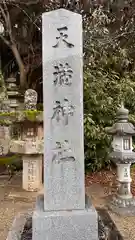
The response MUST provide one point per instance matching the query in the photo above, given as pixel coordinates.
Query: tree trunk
(22, 69)
(23, 79)
(86, 5)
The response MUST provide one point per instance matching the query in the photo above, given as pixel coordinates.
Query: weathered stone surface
(32, 172)
(123, 207)
(62, 213)
(4, 140)
(122, 155)
(75, 224)
(63, 111)
(107, 230)
(18, 226)
(30, 99)
(26, 147)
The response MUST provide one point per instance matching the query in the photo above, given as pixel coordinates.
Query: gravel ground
(125, 225)
(10, 207)
(8, 210)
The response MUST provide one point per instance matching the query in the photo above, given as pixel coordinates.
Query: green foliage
(109, 78)
(13, 163)
(109, 64)
(8, 160)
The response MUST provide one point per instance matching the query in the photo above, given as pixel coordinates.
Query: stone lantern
(123, 156)
(8, 108)
(28, 141)
(13, 94)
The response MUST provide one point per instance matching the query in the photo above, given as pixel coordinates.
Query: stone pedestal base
(64, 225)
(32, 172)
(125, 207)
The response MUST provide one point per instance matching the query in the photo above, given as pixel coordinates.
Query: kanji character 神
(63, 111)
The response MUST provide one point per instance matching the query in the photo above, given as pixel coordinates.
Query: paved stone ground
(14, 200)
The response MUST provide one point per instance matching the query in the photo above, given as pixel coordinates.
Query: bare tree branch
(5, 40)
(6, 16)
(8, 22)
(29, 17)
(12, 44)
(24, 2)
(3, 13)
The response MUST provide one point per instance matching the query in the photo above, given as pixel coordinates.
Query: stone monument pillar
(63, 212)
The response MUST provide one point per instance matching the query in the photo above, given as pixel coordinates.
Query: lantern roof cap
(121, 126)
(122, 113)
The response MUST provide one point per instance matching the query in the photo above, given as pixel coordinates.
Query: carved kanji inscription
(63, 37)
(63, 153)
(63, 111)
(63, 74)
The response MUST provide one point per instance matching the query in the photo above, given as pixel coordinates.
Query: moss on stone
(5, 122)
(7, 114)
(30, 115)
